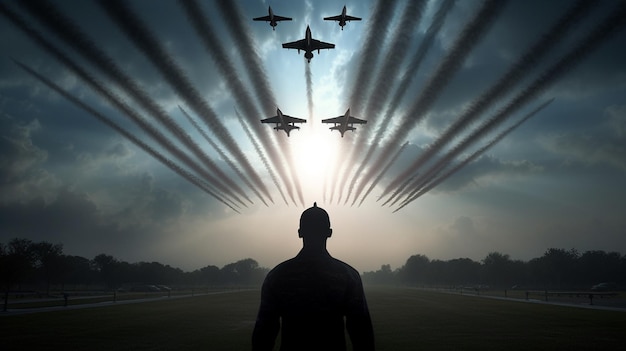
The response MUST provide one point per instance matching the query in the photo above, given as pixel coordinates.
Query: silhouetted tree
(107, 267)
(210, 275)
(244, 271)
(384, 276)
(415, 269)
(497, 269)
(19, 260)
(599, 266)
(78, 270)
(557, 268)
(48, 261)
(463, 271)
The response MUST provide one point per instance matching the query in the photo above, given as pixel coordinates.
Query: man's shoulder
(282, 267)
(344, 266)
(328, 263)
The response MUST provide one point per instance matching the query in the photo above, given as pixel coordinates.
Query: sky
(133, 129)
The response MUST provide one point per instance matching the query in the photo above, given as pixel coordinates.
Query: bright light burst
(316, 149)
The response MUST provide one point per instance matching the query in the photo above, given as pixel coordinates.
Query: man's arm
(358, 321)
(267, 322)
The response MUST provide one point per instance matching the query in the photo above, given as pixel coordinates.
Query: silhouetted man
(310, 295)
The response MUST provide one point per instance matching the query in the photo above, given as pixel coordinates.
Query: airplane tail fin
(287, 128)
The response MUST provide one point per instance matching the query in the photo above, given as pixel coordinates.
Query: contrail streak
(253, 64)
(309, 91)
(70, 33)
(376, 32)
(217, 51)
(411, 17)
(472, 157)
(152, 152)
(403, 87)
(465, 42)
(221, 153)
(258, 149)
(412, 14)
(251, 59)
(501, 87)
(609, 26)
(114, 100)
(382, 173)
(144, 39)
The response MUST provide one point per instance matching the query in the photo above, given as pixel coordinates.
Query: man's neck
(314, 249)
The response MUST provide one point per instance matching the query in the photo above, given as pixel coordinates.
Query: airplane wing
(274, 119)
(341, 119)
(339, 18)
(281, 18)
(317, 45)
(268, 18)
(289, 119)
(264, 18)
(338, 119)
(354, 120)
(298, 44)
(333, 18)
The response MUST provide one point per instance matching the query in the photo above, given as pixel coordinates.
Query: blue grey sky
(555, 180)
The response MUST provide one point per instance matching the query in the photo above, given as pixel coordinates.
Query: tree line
(25, 264)
(556, 269)
(28, 265)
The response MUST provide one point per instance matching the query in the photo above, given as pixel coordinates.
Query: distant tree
(415, 270)
(557, 268)
(48, 261)
(497, 268)
(4, 267)
(210, 275)
(462, 271)
(244, 271)
(107, 267)
(599, 266)
(78, 270)
(384, 276)
(19, 262)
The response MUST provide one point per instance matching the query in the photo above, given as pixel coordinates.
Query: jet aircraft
(272, 18)
(284, 122)
(342, 18)
(344, 123)
(308, 44)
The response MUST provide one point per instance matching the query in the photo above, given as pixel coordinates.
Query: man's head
(315, 223)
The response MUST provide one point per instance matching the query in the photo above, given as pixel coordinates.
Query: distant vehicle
(164, 287)
(145, 288)
(284, 122)
(344, 123)
(308, 44)
(342, 18)
(272, 18)
(604, 287)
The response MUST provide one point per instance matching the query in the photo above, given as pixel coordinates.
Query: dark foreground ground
(404, 319)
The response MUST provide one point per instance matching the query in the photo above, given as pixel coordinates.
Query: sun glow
(316, 150)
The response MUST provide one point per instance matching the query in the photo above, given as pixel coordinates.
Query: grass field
(404, 319)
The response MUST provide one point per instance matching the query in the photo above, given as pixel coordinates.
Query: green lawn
(404, 319)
